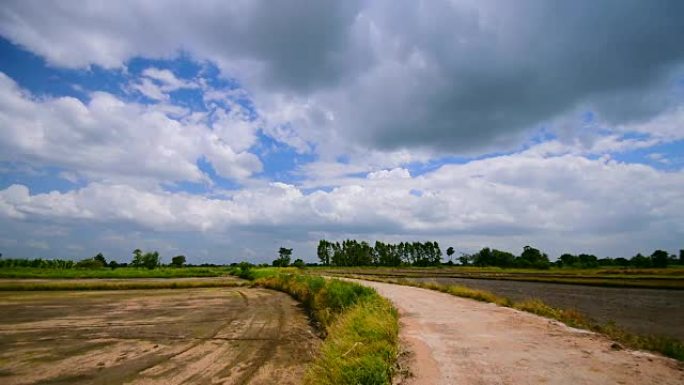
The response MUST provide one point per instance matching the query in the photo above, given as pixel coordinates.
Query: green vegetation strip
(118, 285)
(361, 327)
(668, 346)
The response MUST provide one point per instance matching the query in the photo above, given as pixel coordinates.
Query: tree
(588, 261)
(533, 258)
(659, 258)
(640, 261)
(568, 260)
(284, 256)
(620, 261)
(113, 264)
(324, 251)
(298, 263)
(148, 260)
(681, 257)
(101, 258)
(137, 258)
(450, 251)
(178, 261)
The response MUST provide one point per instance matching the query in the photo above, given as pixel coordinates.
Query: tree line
(533, 258)
(149, 260)
(353, 253)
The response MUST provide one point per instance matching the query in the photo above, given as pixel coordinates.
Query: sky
(225, 130)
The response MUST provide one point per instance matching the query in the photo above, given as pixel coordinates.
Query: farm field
(199, 336)
(670, 278)
(642, 311)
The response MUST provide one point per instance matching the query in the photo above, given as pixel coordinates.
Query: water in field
(643, 311)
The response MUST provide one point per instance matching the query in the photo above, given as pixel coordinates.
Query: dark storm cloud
(463, 76)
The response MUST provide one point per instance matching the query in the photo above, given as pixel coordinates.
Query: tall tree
(450, 251)
(178, 261)
(284, 256)
(324, 251)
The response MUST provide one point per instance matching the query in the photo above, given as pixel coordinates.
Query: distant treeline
(149, 260)
(353, 253)
(533, 258)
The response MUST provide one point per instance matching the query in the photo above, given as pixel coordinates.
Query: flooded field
(643, 311)
(198, 336)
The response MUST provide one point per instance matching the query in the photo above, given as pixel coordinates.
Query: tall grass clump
(360, 326)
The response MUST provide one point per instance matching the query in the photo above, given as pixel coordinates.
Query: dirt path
(192, 336)
(461, 341)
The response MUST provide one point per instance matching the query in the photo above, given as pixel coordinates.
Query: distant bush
(298, 263)
(90, 263)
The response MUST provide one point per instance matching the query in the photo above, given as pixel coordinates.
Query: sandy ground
(193, 336)
(460, 341)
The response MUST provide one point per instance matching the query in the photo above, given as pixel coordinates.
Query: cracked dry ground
(198, 336)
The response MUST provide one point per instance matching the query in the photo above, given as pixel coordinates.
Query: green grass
(361, 327)
(123, 272)
(667, 346)
(669, 278)
(115, 285)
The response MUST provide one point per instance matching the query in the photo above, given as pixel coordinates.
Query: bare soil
(460, 341)
(198, 336)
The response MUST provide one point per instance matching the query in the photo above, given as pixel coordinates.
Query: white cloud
(506, 201)
(395, 173)
(108, 138)
(149, 89)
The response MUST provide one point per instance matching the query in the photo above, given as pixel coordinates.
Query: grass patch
(115, 285)
(123, 272)
(668, 346)
(361, 327)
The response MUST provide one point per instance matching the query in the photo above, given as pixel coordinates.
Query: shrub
(90, 263)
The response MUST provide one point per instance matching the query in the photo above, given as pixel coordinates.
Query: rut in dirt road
(462, 341)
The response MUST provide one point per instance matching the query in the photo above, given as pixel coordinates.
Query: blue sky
(224, 142)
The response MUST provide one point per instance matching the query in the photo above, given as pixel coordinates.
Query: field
(163, 336)
(637, 310)
(123, 272)
(669, 278)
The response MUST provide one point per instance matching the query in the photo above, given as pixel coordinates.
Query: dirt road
(461, 341)
(190, 336)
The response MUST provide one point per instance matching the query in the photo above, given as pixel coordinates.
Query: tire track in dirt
(462, 341)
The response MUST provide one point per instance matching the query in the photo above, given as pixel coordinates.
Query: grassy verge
(667, 346)
(123, 272)
(115, 285)
(361, 327)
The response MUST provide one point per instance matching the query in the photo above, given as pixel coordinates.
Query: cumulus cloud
(520, 199)
(457, 76)
(108, 138)
(369, 89)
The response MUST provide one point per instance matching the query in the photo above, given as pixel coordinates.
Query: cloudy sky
(226, 129)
